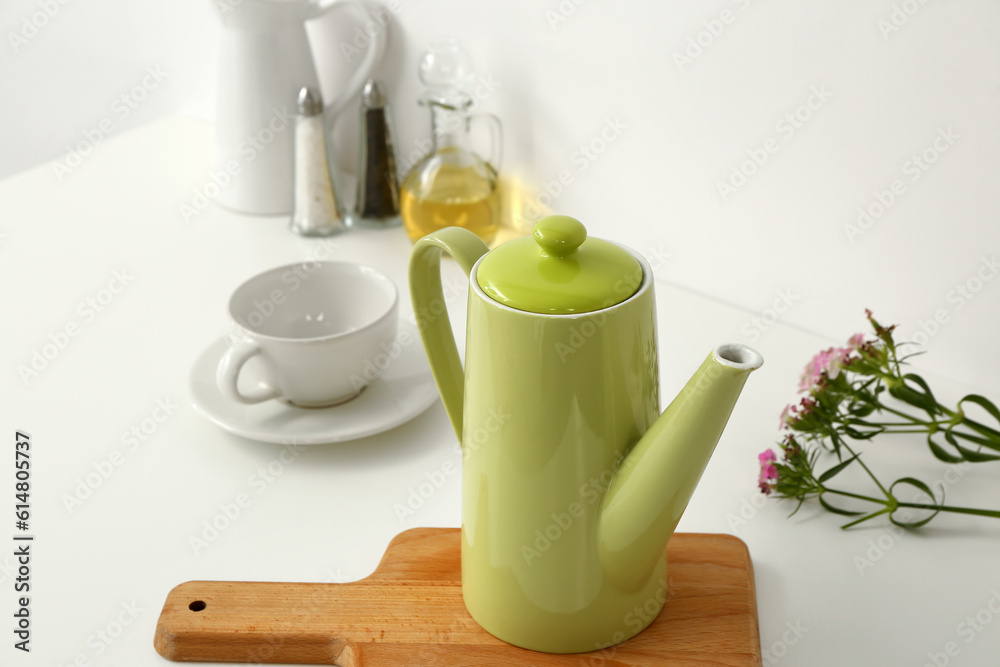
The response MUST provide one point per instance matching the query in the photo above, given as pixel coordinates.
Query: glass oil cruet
(452, 185)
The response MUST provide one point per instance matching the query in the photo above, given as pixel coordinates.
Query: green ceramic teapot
(572, 479)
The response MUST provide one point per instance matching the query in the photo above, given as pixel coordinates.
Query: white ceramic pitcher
(265, 59)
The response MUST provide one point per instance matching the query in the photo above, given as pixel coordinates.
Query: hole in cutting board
(197, 605)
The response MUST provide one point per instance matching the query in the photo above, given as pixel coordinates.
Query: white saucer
(404, 390)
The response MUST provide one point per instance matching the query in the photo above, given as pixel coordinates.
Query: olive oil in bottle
(451, 185)
(460, 196)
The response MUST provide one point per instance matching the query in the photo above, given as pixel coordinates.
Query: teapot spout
(654, 483)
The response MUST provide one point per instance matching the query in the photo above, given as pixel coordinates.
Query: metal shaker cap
(310, 102)
(373, 94)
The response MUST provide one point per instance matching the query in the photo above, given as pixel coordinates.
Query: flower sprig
(846, 390)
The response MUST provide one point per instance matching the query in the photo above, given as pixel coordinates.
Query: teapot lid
(559, 270)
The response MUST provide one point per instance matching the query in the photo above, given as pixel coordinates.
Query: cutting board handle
(250, 622)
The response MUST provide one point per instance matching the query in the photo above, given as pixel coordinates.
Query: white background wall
(892, 87)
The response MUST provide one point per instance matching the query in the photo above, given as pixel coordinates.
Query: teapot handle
(373, 55)
(432, 312)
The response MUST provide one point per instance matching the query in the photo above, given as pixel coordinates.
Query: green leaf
(923, 400)
(913, 481)
(862, 409)
(926, 489)
(992, 443)
(912, 524)
(913, 377)
(968, 454)
(836, 469)
(940, 452)
(836, 510)
(976, 457)
(797, 507)
(984, 403)
(862, 435)
(987, 405)
(867, 517)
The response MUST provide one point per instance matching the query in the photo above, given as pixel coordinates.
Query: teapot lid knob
(559, 235)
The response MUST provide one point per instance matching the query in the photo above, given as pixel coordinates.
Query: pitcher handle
(496, 136)
(431, 311)
(368, 64)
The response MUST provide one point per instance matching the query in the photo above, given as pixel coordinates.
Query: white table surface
(329, 515)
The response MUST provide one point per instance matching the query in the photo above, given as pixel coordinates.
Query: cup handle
(228, 373)
(371, 60)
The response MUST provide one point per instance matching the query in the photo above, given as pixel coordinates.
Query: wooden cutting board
(410, 612)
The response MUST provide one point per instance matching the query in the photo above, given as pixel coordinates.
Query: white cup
(315, 324)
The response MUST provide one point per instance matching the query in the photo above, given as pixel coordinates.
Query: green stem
(900, 413)
(978, 440)
(855, 495)
(865, 518)
(870, 473)
(980, 428)
(903, 432)
(892, 424)
(958, 510)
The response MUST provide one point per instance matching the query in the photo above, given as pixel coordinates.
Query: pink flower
(856, 341)
(828, 362)
(792, 413)
(768, 471)
(787, 416)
